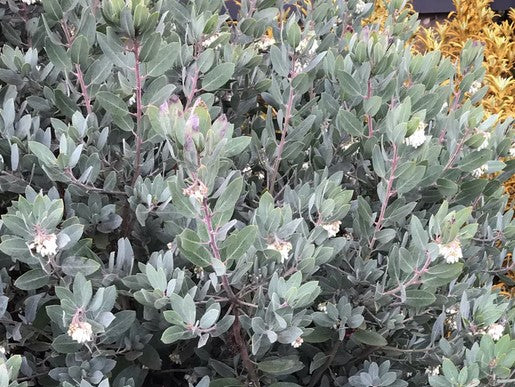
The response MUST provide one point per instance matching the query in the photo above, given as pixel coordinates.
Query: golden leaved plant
(475, 20)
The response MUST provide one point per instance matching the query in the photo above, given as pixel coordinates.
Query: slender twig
(235, 302)
(282, 142)
(389, 193)
(139, 110)
(453, 108)
(415, 279)
(457, 150)
(78, 71)
(31, 377)
(95, 7)
(208, 220)
(415, 350)
(91, 188)
(245, 358)
(84, 88)
(369, 117)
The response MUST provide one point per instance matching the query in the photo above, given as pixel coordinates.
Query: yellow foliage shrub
(475, 20)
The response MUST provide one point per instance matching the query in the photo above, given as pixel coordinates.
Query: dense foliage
(280, 200)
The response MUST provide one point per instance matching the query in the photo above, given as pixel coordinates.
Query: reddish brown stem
(83, 88)
(389, 193)
(415, 279)
(454, 106)
(139, 110)
(454, 155)
(282, 142)
(369, 117)
(240, 342)
(236, 328)
(78, 71)
(208, 220)
(95, 7)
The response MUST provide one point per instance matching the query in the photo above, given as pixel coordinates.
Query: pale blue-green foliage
(224, 209)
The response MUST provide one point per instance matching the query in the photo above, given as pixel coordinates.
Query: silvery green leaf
(73, 265)
(348, 122)
(238, 243)
(58, 56)
(419, 298)
(112, 103)
(369, 338)
(65, 344)
(280, 61)
(172, 334)
(122, 322)
(44, 155)
(218, 76)
(285, 365)
(33, 279)
(210, 317)
(348, 84)
(150, 47)
(193, 249)
(201, 342)
(289, 335)
(15, 157)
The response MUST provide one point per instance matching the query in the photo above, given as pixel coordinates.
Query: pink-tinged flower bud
(163, 109)
(194, 122)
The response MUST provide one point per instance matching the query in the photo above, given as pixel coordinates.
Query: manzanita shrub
(277, 200)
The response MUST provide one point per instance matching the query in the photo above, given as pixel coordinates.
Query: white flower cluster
(486, 140)
(348, 236)
(209, 41)
(346, 145)
(199, 272)
(433, 371)
(304, 43)
(474, 88)
(298, 342)
(418, 137)
(132, 100)
(283, 247)
(265, 43)
(80, 331)
(332, 228)
(360, 6)
(451, 251)
(299, 66)
(247, 171)
(451, 321)
(45, 244)
(197, 190)
(322, 307)
(495, 331)
(478, 172)
(30, 2)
